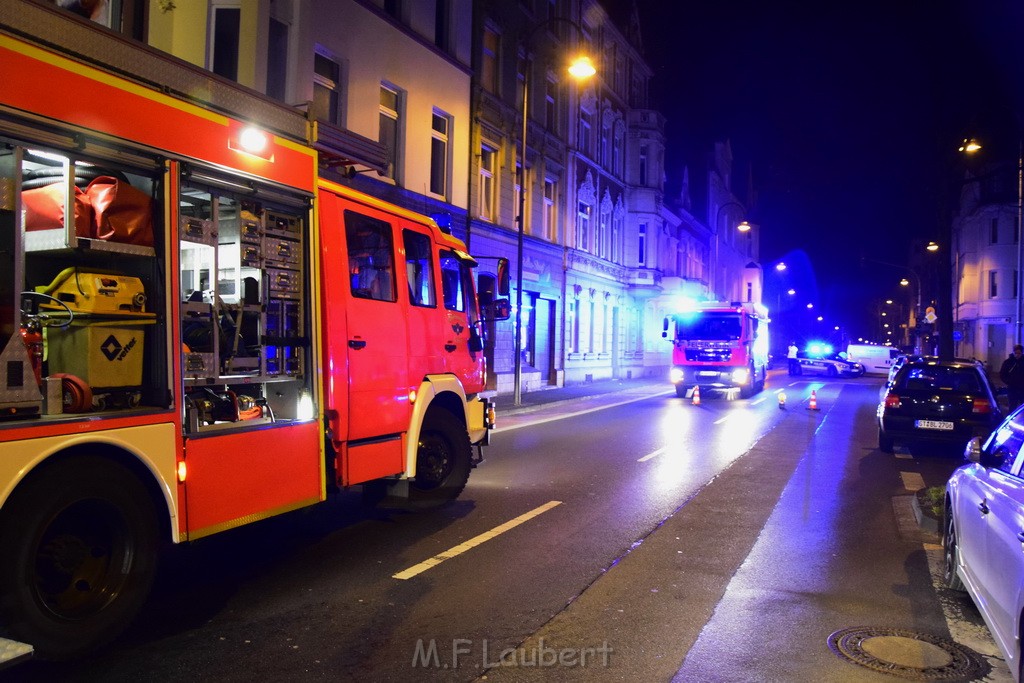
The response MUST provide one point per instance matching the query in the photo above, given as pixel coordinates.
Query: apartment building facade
(421, 103)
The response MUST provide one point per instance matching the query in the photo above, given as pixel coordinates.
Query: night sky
(847, 115)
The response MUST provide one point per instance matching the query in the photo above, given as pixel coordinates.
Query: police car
(832, 365)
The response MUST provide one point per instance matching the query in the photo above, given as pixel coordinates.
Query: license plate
(934, 424)
(707, 373)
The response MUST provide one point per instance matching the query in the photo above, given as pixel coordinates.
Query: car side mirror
(973, 450)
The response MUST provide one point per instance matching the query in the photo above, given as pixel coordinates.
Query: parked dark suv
(933, 401)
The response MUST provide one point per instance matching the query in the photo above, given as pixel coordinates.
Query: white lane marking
(474, 542)
(655, 454)
(912, 481)
(542, 420)
(760, 400)
(904, 456)
(723, 419)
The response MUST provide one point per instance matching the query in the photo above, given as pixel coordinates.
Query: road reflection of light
(694, 448)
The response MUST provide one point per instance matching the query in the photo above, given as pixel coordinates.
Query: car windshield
(940, 378)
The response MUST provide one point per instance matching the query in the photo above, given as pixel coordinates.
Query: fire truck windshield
(709, 326)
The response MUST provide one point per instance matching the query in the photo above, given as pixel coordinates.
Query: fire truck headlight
(741, 375)
(675, 375)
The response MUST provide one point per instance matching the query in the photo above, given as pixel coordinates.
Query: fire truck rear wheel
(443, 460)
(680, 391)
(79, 559)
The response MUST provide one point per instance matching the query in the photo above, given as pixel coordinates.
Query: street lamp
(580, 68)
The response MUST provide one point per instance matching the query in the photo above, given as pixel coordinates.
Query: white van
(875, 359)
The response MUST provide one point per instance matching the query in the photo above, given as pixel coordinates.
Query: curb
(926, 522)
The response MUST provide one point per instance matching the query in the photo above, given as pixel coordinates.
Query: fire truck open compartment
(86, 290)
(243, 279)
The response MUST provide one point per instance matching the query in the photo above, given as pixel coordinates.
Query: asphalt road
(634, 537)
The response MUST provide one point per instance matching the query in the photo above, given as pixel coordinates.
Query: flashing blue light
(818, 349)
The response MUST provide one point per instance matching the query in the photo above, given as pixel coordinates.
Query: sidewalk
(547, 397)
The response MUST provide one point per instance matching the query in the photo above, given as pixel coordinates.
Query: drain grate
(908, 654)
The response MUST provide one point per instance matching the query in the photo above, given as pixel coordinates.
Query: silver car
(983, 537)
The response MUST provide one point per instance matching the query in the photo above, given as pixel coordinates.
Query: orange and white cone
(696, 396)
(814, 400)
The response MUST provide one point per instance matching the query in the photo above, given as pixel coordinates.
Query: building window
(551, 104)
(604, 232)
(586, 125)
(591, 324)
(326, 104)
(583, 227)
(994, 232)
(439, 157)
(489, 61)
(522, 70)
(572, 327)
(606, 156)
(993, 288)
(616, 237)
(224, 40)
(641, 257)
(617, 153)
(442, 24)
(390, 116)
(550, 211)
(642, 177)
(277, 60)
(488, 160)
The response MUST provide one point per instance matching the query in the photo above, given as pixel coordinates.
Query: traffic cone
(814, 400)
(696, 396)
(782, 400)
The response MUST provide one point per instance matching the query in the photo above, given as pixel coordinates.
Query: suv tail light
(892, 401)
(981, 405)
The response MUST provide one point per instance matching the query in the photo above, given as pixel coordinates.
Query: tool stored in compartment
(97, 293)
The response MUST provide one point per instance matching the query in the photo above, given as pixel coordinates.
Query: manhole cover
(908, 654)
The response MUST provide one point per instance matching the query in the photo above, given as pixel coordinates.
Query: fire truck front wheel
(80, 548)
(443, 460)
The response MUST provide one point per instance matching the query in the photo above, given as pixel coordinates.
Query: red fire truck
(209, 336)
(719, 345)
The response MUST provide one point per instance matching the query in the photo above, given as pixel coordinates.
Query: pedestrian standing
(794, 364)
(1012, 375)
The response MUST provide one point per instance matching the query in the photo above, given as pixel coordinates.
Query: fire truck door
(377, 343)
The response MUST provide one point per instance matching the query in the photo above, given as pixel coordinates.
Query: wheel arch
(155, 485)
(435, 393)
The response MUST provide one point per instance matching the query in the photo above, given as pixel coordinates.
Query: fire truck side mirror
(664, 327)
(503, 279)
(499, 309)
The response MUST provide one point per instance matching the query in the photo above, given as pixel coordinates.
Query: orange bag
(44, 209)
(121, 213)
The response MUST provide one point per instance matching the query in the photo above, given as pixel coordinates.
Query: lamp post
(742, 226)
(580, 68)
